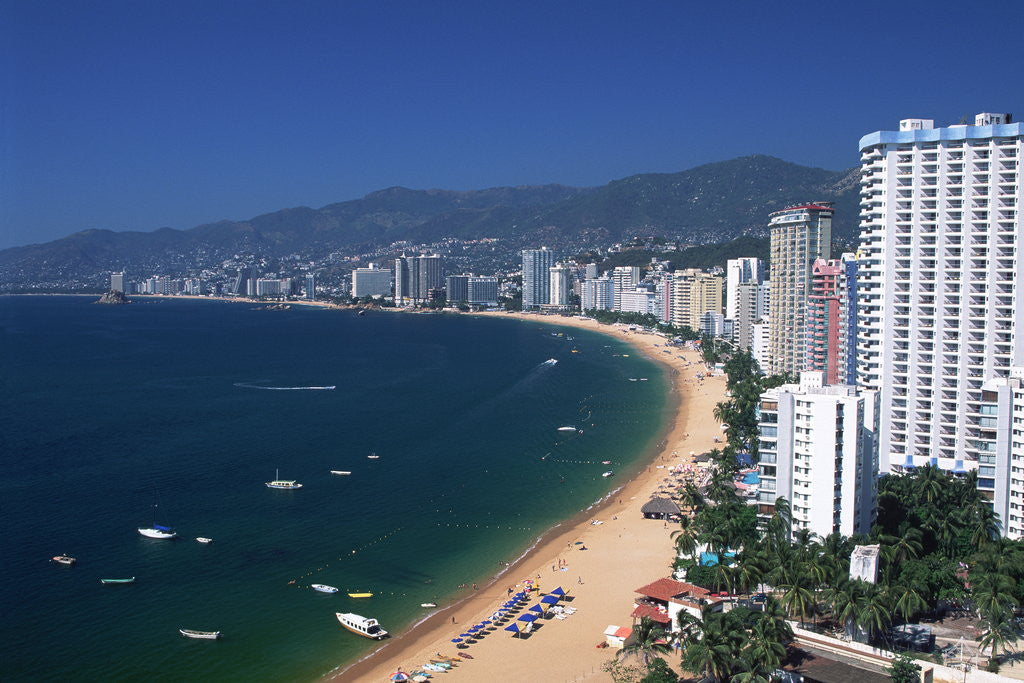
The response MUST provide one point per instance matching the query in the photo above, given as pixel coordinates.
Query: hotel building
(799, 235)
(940, 296)
(537, 277)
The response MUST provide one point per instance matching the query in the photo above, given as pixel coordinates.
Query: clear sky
(137, 115)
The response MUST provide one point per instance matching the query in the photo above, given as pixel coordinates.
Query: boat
(550, 361)
(202, 635)
(373, 456)
(360, 595)
(368, 628)
(279, 483)
(607, 474)
(118, 581)
(343, 473)
(428, 604)
(66, 560)
(158, 531)
(204, 539)
(465, 655)
(567, 429)
(633, 379)
(643, 379)
(324, 588)
(606, 462)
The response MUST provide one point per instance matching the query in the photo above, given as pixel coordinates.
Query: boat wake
(248, 385)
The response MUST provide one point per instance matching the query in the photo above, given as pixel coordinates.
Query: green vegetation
(647, 320)
(701, 256)
(904, 670)
(742, 645)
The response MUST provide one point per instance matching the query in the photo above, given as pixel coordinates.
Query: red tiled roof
(642, 611)
(623, 632)
(665, 589)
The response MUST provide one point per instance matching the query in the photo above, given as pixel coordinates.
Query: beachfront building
(559, 285)
(641, 301)
(456, 288)
(418, 278)
(831, 319)
(193, 286)
(1000, 425)
(759, 346)
(939, 291)
(117, 282)
(818, 451)
(663, 600)
(537, 277)
(482, 290)
(598, 294)
(693, 293)
(751, 308)
(310, 289)
(799, 235)
(624, 279)
(740, 271)
(369, 281)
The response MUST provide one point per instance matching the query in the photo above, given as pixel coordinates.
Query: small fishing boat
(643, 379)
(324, 588)
(368, 628)
(360, 595)
(201, 635)
(428, 605)
(279, 483)
(343, 473)
(204, 539)
(607, 474)
(118, 581)
(567, 428)
(65, 560)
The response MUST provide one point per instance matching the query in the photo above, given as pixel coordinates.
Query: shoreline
(647, 545)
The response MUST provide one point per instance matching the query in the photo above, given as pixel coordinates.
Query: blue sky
(137, 115)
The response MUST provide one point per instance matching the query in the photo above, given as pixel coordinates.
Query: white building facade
(818, 450)
(371, 281)
(939, 297)
(536, 277)
(740, 271)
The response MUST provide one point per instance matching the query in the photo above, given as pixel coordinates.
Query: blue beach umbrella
(530, 616)
(549, 599)
(485, 622)
(465, 635)
(456, 640)
(558, 591)
(512, 627)
(536, 608)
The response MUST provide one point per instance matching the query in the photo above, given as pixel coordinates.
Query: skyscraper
(117, 282)
(310, 286)
(739, 271)
(829, 327)
(799, 235)
(598, 294)
(560, 282)
(940, 294)
(427, 275)
(624, 279)
(371, 281)
(694, 293)
(536, 277)
(751, 299)
(402, 280)
(456, 288)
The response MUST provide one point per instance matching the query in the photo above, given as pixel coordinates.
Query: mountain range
(710, 203)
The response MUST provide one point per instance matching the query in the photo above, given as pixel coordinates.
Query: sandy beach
(622, 553)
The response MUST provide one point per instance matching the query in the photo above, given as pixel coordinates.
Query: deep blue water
(108, 410)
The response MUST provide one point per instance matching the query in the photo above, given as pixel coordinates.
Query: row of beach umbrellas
(531, 614)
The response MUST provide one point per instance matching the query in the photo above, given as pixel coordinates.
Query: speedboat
(360, 595)
(567, 429)
(343, 473)
(607, 474)
(324, 588)
(282, 483)
(428, 604)
(202, 635)
(158, 531)
(550, 361)
(66, 560)
(118, 581)
(368, 628)
(373, 456)
(204, 539)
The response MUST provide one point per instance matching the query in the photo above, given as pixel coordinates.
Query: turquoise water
(752, 478)
(109, 410)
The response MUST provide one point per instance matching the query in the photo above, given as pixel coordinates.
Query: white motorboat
(567, 428)
(324, 588)
(279, 483)
(204, 539)
(343, 473)
(202, 635)
(607, 474)
(428, 604)
(550, 361)
(65, 560)
(368, 628)
(373, 456)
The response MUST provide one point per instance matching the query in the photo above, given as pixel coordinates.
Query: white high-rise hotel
(941, 297)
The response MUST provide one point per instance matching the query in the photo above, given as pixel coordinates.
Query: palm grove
(940, 551)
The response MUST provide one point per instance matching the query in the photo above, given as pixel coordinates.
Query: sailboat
(157, 530)
(279, 483)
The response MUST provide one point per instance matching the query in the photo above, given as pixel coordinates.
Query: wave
(253, 386)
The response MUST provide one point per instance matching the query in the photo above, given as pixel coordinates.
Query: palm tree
(685, 537)
(985, 526)
(714, 647)
(646, 642)
(844, 599)
(797, 598)
(930, 482)
(908, 601)
(999, 633)
(874, 614)
(764, 646)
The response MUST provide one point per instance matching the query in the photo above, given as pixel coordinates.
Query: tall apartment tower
(403, 278)
(751, 300)
(537, 277)
(799, 235)
(624, 279)
(310, 287)
(740, 271)
(416, 276)
(940, 300)
(598, 294)
(694, 293)
(830, 330)
(117, 282)
(817, 449)
(559, 285)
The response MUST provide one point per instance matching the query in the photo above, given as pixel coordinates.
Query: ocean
(178, 411)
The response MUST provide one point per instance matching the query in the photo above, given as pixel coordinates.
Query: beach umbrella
(465, 635)
(456, 640)
(485, 622)
(549, 599)
(530, 616)
(513, 628)
(536, 608)
(399, 676)
(558, 591)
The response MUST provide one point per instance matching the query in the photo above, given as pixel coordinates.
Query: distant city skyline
(133, 117)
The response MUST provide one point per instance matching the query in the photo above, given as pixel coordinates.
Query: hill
(710, 203)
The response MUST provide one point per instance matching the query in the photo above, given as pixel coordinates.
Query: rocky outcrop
(113, 297)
